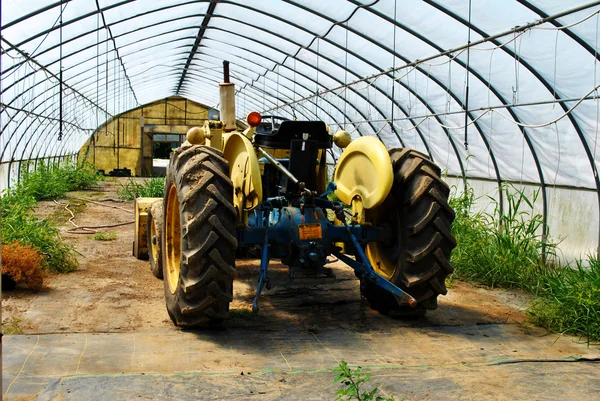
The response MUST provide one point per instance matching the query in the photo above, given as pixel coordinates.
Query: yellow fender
(365, 171)
(244, 172)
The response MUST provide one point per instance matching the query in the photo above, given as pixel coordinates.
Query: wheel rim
(153, 246)
(385, 255)
(173, 240)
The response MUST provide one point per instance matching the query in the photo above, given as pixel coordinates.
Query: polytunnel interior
(495, 93)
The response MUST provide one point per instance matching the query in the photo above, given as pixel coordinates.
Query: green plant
(568, 300)
(353, 380)
(500, 249)
(506, 250)
(12, 326)
(150, 188)
(110, 236)
(51, 181)
(79, 177)
(20, 225)
(242, 313)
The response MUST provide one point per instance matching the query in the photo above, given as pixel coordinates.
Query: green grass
(148, 188)
(19, 201)
(500, 250)
(54, 181)
(110, 236)
(568, 300)
(12, 326)
(506, 251)
(19, 224)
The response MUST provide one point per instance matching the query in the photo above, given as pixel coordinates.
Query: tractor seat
(289, 130)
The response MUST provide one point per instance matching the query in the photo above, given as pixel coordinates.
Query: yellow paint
(365, 171)
(140, 238)
(196, 136)
(172, 240)
(117, 143)
(375, 250)
(245, 173)
(342, 139)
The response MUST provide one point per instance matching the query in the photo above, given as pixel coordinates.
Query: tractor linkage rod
(364, 269)
(282, 169)
(263, 279)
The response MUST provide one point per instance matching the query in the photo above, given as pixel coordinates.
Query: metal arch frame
(584, 142)
(199, 37)
(596, 55)
(362, 59)
(107, 28)
(301, 61)
(307, 48)
(286, 67)
(167, 32)
(547, 85)
(252, 52)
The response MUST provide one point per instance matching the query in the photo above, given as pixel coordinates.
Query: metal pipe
(514, 30)
(501, 106)
(278, 165)
(226, 72)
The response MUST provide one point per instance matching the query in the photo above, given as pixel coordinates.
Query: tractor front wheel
(415, 255)
(155, 222)
(199, 243)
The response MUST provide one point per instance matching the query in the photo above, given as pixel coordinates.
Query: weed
(23, 262)
(12, 326)
(568, 300)
(51, 181)
(507, 250)
(19, 224)
(314, 329)
(500, 249)
(353, 380)
(148, 188)
(242, 313)
(110, 236)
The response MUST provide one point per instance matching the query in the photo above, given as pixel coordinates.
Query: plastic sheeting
(505, 91)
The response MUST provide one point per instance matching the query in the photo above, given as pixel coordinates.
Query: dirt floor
(112, 292)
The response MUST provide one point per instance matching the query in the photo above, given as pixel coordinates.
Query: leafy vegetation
(54, 181)
(506, 251)
(20, 225)
(18, 202)
(354, 381)
(147, 188)
(500, 250)
(12, 326)
(110, 236)
(568, 300)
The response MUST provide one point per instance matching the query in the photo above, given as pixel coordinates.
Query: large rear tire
(155, 224)
(416, 254)
(199, 240)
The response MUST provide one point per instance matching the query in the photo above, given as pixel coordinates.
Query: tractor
(384, 213)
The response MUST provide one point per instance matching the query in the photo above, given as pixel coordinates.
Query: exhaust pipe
(227, 100)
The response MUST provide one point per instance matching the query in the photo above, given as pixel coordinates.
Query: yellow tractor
(267, 188)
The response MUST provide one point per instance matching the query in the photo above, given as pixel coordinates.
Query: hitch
(263, 279)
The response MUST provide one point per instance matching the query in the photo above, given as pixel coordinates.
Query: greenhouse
(498, 102)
